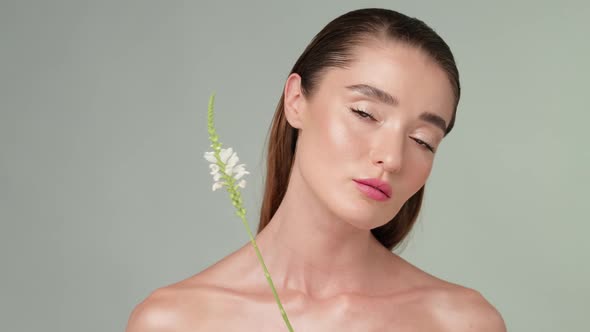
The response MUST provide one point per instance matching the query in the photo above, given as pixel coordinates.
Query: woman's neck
(309, 250)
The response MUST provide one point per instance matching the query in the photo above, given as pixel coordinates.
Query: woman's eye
(367, 115)
(424, 144)
(362, 114)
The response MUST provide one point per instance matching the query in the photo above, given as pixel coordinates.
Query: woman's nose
(389, 156)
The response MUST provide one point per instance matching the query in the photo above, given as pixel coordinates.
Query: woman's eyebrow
(384, 97)
(375, 93)
(434, 119)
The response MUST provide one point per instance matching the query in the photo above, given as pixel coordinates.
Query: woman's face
(395, 84)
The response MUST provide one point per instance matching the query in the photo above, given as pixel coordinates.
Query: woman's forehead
(389, 62)
(400, 70)
(405, 76)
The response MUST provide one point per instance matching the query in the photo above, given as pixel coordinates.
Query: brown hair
(333, 47)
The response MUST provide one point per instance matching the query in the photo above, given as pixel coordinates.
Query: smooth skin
(330, 272)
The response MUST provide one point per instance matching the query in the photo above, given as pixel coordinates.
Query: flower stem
(267, 274)
(236, 199)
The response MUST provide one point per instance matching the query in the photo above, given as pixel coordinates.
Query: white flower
(218, 185)
(229, 159)
(210, 156)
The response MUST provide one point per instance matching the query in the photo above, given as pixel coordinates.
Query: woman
(352, 144)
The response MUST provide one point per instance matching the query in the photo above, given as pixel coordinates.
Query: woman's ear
(294, 101)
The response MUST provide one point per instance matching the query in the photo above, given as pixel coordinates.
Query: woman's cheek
(345, 135)
(339, 136)
(419, 175)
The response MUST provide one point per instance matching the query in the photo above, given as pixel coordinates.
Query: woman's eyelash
(365, 115)
(426, 145)
(362, 114)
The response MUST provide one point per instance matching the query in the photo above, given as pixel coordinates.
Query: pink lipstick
(374, 188)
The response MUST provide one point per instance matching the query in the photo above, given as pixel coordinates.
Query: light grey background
(105, 195)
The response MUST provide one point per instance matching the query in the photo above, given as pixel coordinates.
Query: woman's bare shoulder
(167, 308)
(186, 304)
(459, 308)
(452, 307)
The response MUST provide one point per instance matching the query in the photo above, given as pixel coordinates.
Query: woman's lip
(372, 192)
(383, 186)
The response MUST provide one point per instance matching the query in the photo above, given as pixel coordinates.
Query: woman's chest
(342, 314)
